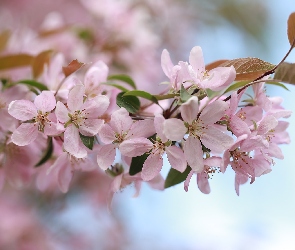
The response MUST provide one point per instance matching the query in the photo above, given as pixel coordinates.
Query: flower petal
(94, 76)
(176, 158)
(174, 129)
(90, 127)
(152, 167)
(144, 128)
(22, 110)
(106, 155)
(190, 109)
(216, 140)
(107, 134)
(135, 147)
(196, 59)
(96, 107)
(25, 134)
(203, 183)
(45, 101)
(75, 99)
(166, 63)
(61, 112)
(213, 112)
(194, 154)
(121, 121)
(72, 142)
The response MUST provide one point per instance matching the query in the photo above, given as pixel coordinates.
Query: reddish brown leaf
(285, 73)
(15, 61)
(214, 64)
(39, 62)
(46, 33)
(291, 28)
(248, 68)
(4, 37)
(72, 67)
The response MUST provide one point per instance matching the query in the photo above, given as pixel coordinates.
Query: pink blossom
(195, 73)
(37, 115)
(129, 136)
(200, 128)
(154, 162)
(211, 166)
(80, 117)
(64, 167)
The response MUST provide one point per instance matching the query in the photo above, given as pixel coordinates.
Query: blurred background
(129, 36)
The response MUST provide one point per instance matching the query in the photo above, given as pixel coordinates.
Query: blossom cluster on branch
(200, 120)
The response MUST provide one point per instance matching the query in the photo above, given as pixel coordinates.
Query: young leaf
(88, 141)
(34, 84)
(236, 85)
(285, 73)
(124, 78)
(291, 28)
(248, 68)
(47, 153)
(39, 62)
(174, 177)
(137, 164)
(184, 95)
(15, 61)
(142, 94)
(130, 103)
(278, 84)
(116, 86)
(72, 67)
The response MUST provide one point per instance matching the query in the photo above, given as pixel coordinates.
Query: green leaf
(278, 84)
(184, 95)
(116, 86)
(33, 83)
(47, 153)
(142, 94)
(285, 73)
(137, 164)
(175, 177)
(88, 141)
(130, 103)
(124, 78)
(236, 85)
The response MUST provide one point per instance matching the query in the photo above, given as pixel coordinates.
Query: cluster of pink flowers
(81, 127)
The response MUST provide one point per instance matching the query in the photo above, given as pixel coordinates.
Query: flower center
(78, 117)
(41, 119)
(197, 128)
